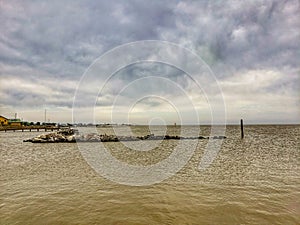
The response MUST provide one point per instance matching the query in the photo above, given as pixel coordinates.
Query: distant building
(3, 121)
(14, 122)
(10, 122)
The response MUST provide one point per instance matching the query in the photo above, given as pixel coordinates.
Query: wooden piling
(242, 129)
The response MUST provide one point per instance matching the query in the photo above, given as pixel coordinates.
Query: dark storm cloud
(49, 45)
(243, 34)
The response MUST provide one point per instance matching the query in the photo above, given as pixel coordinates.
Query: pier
(29, 128)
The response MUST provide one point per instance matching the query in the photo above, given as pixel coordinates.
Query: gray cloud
(45, 47)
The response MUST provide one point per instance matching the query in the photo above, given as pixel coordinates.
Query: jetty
(72, 135)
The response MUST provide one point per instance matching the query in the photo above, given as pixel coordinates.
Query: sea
(255, 180)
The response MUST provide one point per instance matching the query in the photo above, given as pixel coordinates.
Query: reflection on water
(252, 181)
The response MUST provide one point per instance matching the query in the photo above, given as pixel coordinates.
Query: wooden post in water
(242, 129)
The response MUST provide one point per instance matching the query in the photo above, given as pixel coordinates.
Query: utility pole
(45, 115)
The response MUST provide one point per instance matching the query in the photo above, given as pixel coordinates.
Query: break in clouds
(252, 48)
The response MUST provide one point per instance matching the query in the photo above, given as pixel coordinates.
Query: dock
(29, 128)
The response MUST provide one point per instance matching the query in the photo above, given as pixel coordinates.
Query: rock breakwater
(72, 135)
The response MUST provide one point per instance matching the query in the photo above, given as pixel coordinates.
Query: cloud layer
(253, 48)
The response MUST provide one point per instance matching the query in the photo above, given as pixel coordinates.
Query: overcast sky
(251, 47)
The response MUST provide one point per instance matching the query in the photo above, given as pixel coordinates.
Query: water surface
(252, 181)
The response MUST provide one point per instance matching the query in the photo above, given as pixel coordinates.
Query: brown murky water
(251, 181)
